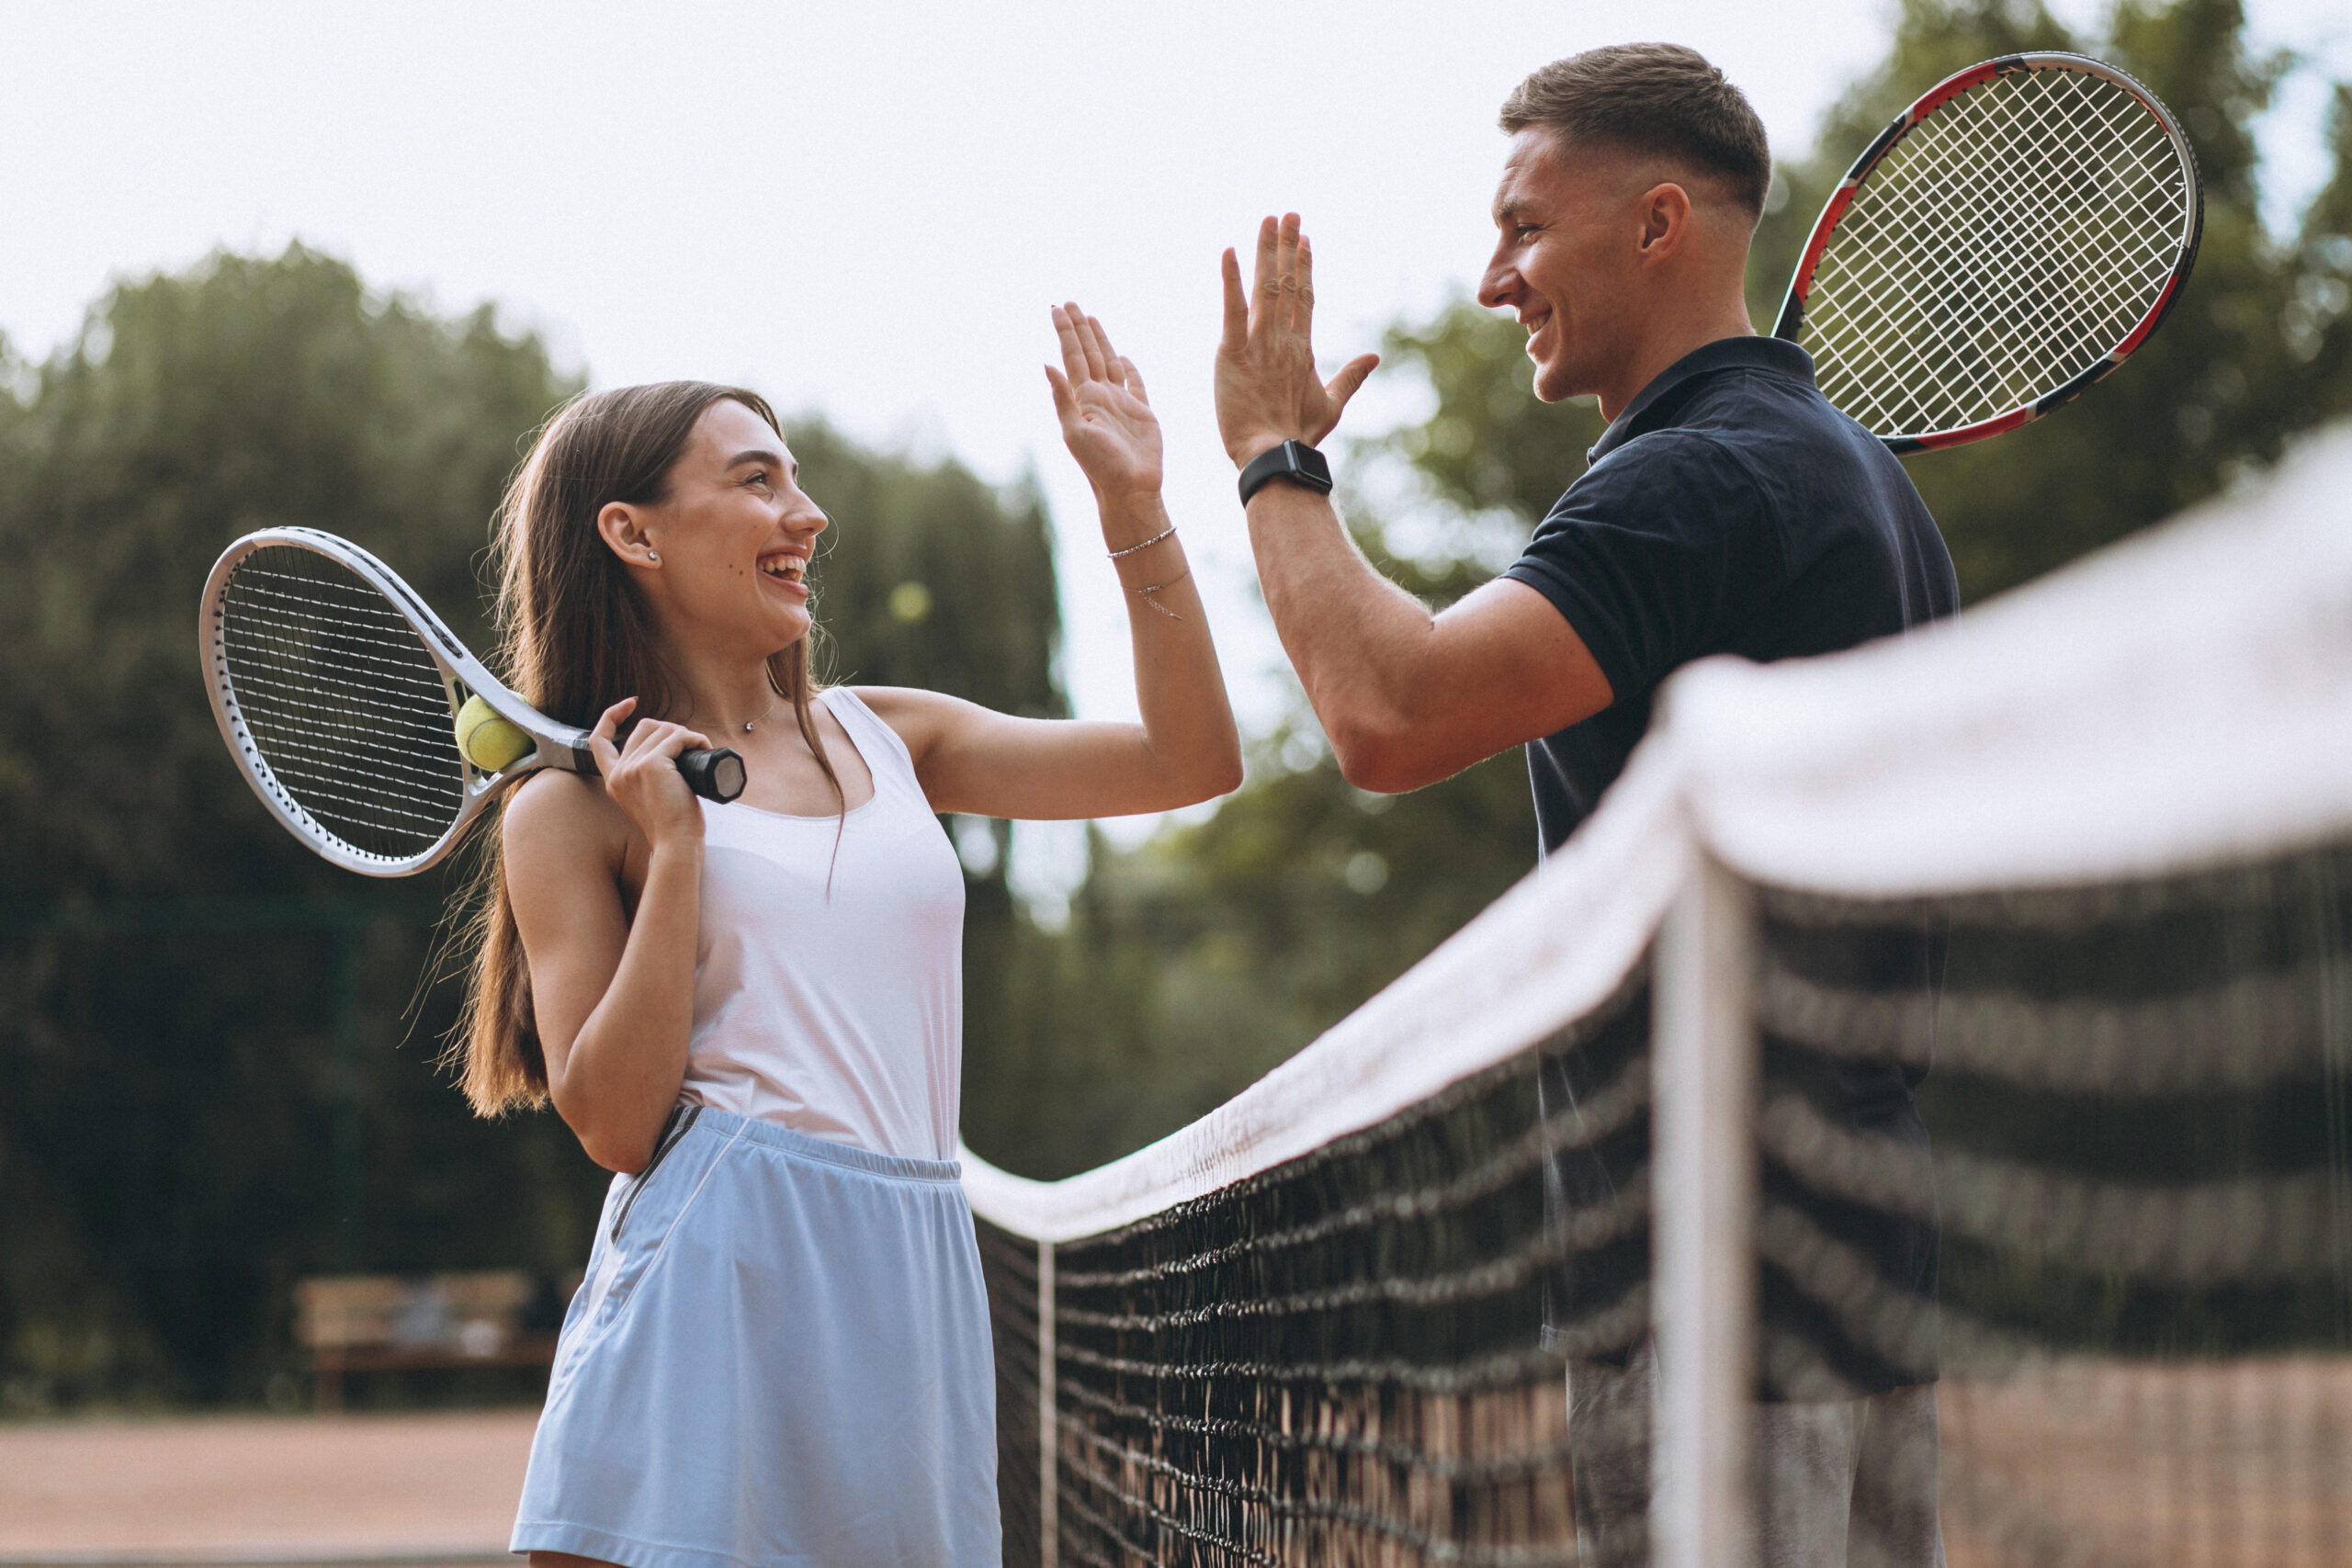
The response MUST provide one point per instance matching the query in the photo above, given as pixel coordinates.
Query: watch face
(1309, 465)
(1293, 460)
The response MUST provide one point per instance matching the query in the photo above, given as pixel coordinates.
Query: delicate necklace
(769, 709)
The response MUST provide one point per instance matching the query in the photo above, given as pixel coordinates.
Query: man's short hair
(1651, 97)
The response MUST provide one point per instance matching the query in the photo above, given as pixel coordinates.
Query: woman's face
(733, 535)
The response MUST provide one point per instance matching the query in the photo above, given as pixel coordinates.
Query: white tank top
(840, 1017)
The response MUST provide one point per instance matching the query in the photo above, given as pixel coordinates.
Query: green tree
(1490, 445)
(2317, 320)
(168, 1093)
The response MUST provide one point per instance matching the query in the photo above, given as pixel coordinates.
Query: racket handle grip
(715, 774)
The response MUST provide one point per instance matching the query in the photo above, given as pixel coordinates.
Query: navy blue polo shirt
(1729, 509)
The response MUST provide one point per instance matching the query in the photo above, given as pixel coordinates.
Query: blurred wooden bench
(373, 1322)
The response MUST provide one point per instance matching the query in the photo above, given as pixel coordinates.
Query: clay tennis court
(283, 1490)
(2206, 1465)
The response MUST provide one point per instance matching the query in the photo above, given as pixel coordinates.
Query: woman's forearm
(621, 1076)
(1180, 690)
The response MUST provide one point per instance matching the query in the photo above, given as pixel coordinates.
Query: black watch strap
(1293, 460)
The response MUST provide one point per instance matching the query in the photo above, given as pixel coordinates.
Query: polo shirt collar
(1725, 354)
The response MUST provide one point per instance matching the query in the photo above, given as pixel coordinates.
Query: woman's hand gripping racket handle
(629, 754)
(714, 774)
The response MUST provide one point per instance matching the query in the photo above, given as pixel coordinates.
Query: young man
(1728, 509)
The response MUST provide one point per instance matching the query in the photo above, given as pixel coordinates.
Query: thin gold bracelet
(1165, 533)
(1146, 594)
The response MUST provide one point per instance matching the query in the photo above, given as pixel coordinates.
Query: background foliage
(180, 1137)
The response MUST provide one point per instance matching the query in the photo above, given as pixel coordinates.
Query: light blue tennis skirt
(780, 1356)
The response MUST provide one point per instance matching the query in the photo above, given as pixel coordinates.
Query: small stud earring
(653, 555)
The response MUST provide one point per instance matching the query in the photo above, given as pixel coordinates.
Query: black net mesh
(2134, 1142)
(1344, 1359)
(2054, 1262)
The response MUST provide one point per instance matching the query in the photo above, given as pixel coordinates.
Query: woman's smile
(789, 567)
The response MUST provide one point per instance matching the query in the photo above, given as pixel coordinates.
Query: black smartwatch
(1293, 460)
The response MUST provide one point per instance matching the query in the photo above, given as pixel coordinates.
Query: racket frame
(553, 745)
(1792, 318)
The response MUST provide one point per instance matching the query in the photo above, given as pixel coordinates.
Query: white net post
(1049, 1433)
(1703, 1110)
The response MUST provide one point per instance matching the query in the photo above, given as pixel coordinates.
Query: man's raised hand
(1106, 416)
(1267, 391)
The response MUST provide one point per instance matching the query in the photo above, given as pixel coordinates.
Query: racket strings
(375, 673)
(360, 696)
(321, 766)
(352, 794)
(2078, 331)
(2007, 244)
(1915, 226)
(339, 733)
(2046, 359)
(340, 702)
(340, 766)
(2018, 269)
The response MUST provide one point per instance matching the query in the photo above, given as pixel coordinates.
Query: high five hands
(1267, 391)
(1106, 417)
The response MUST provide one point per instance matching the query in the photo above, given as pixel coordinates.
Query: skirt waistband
(727, 1124)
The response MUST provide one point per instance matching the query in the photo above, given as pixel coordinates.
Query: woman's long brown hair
(576, 637)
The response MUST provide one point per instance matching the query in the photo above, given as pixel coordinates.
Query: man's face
(1565, 253)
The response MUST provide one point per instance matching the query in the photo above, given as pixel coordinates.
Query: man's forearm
(1358, 641)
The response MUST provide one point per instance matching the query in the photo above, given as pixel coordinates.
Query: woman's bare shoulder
(890, 702)
(555, 820)
(919, 716)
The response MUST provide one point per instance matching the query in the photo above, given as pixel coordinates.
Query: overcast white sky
(862, 209)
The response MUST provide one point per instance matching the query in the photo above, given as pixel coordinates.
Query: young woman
(752, 1012)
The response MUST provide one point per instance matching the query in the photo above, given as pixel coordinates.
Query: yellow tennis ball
(488, 741)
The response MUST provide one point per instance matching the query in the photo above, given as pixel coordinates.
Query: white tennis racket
(2009, 241)
(340, 692)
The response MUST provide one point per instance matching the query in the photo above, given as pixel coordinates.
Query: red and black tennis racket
(2009, 241)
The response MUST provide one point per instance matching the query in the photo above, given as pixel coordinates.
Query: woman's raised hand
(1106, 418)
(641, 775)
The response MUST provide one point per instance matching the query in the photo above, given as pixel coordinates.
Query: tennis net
(1557, 1250)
